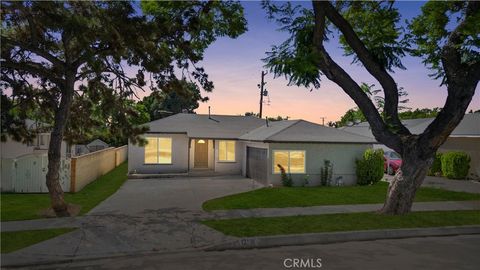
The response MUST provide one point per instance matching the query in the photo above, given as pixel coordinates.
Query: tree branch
(335, 73)
(36, 50)
(369, 62)
(462, 80)
(34, 69)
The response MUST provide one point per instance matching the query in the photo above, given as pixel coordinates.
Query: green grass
(28, 206)
(11, 241)
(246, 227)
(310, 196)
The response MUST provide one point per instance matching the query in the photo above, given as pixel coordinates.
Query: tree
(53, 51)
(445, 35)
(184, 99)
(273, 119)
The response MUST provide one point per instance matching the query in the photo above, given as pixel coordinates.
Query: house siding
(471, 146)
(180, 156)
(342, 156)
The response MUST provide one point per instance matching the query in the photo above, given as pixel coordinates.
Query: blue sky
(235, 65)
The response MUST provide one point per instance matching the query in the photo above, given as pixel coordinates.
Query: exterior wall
(469, 145)
(251, 144)
(342, 157)
(180, 156)
(14, 149)
(230, 167)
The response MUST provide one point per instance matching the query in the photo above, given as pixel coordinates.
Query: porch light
(201, 141)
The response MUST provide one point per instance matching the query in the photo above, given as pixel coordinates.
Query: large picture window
(158, 150)
(292, 160)
(226, 151)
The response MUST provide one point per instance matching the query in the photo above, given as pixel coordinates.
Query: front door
(201, 154)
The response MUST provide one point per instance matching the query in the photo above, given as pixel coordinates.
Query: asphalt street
(458, 252)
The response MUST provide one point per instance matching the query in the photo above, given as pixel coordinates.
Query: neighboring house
(465, 137)
(246, 145)
(14, 149)
(96, 145)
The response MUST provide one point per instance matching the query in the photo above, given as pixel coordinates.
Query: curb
(340, 237)
(67, 259)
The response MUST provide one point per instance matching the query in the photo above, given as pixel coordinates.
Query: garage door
(257, 164)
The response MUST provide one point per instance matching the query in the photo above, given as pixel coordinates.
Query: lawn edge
(340, 237)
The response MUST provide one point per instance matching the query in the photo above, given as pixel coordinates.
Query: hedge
(436, 168)
(370, 167)
(455, 165)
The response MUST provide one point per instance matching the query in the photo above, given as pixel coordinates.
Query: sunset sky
(235, 65)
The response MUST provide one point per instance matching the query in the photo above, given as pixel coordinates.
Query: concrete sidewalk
(88, 220)
(336, 209)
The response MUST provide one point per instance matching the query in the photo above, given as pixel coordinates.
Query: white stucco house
(13, 149)
(223, 144)
(465, 137)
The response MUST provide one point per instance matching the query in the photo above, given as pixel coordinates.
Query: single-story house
(246, 145)
(465, 137)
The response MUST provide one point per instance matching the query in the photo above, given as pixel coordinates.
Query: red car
(392, 162)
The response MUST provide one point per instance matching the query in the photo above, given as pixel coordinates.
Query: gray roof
(302, 131)
(203, 126)
(469, 126)
(252, 129)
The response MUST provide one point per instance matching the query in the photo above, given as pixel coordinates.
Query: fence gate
(29, 174)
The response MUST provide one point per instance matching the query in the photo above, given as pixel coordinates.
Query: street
(458, 252)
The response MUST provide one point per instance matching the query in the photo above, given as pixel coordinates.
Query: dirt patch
(73, 209)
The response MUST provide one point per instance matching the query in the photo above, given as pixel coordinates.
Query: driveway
(187, 193)
(146, 215)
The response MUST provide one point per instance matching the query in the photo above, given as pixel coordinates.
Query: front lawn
(11, 241)
(281, 197)
(28, 206)
(247, 227)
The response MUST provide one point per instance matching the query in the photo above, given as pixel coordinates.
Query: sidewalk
(336, 209)
(84, 221)
(174, 230)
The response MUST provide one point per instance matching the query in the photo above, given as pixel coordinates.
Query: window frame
(226, 151)
(158, 151)
(288, 167)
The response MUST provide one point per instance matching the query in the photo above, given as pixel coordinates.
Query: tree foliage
(162, 104)
(82, 57)
(445, 35)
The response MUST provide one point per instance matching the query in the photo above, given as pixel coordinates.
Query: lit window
(158, 151)
(291, 161)
(226, 151)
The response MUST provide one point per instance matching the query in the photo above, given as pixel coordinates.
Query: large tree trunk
(54, 151)
(407, 180)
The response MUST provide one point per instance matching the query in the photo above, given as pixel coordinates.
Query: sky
(235, 66)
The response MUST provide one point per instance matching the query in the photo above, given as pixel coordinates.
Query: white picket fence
(27, 174)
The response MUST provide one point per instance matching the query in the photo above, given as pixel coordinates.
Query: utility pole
(323, 121)
(262, 92)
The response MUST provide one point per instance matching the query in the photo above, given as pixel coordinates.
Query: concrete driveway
(138, 196)
(148, 215)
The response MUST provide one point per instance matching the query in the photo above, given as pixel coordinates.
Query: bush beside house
(370, 167)
(455, 165)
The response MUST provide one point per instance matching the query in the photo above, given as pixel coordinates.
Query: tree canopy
(73, 59)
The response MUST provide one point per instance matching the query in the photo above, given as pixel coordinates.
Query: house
(96, 145)
(12, 149)
(465, 137)
(246, 145)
